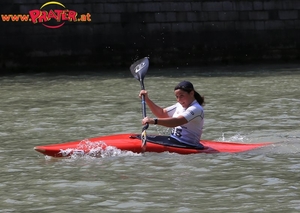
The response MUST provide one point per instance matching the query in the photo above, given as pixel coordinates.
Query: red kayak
(132, 142)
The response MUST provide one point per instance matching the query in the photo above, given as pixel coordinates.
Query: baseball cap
(185, 85)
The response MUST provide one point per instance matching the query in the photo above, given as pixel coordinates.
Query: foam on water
(235, 138)
(96, 149)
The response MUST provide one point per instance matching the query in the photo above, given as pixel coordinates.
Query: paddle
(139, 70)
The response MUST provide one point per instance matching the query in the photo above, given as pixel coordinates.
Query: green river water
(247, 104)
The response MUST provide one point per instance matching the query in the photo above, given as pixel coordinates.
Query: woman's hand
(147, 120)
(145, 93)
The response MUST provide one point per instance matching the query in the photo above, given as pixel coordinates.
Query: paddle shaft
(143, 104)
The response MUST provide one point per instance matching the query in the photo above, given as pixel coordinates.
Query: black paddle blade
(139, 68)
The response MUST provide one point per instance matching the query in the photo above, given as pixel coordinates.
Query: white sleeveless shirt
(189, 133)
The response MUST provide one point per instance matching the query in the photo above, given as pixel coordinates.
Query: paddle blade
(144, 140)
(139, 68)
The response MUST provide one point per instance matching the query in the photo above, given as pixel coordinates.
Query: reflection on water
(261, 104)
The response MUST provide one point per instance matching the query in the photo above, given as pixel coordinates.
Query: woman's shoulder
(172, 107)
(196, 106)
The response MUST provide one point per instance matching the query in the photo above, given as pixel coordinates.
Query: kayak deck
(131, 142)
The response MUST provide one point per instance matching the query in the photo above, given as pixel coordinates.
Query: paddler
(186, 117)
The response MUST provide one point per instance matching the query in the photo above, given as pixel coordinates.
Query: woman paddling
(186, 116)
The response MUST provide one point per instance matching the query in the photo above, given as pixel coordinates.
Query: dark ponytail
(199, 98)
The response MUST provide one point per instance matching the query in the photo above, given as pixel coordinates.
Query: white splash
(96, 149)
(235, 138)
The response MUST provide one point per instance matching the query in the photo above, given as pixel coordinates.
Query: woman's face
(184, 98)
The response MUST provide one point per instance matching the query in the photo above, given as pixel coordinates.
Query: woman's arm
(156, 110)
(167, 122)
